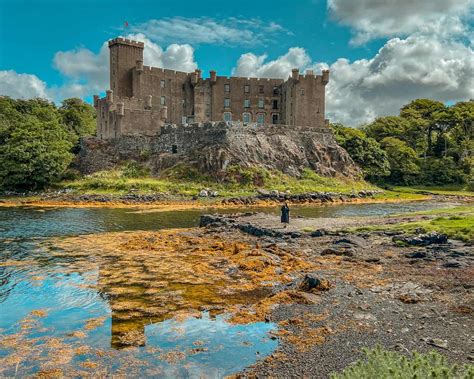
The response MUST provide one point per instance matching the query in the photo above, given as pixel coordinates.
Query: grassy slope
(456, 222)
(114, 182)
(443, 190)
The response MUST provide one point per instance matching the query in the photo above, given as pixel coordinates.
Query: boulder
(311, 281)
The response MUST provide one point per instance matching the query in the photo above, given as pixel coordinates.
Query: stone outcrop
(213, 147)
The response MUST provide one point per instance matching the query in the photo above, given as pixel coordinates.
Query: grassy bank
(240, 182)
(457, 223)
(459, 190)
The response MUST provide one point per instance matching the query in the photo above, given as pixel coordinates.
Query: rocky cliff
(213, 147)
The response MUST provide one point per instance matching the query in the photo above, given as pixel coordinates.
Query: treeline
(38, 140)
(429, 143)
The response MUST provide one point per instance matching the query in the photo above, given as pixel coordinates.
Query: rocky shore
(262, 198)
(364, 289)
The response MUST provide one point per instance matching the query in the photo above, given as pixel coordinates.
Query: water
(102, 313)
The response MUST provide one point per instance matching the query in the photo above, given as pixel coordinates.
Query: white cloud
(251, 65)
(402, 70)
(21, 86)
(205, 30)
(388, 18)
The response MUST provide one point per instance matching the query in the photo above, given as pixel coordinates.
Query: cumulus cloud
(376, 18)
(251, 65)
(402, 70)
(205, 30)
(22, 86)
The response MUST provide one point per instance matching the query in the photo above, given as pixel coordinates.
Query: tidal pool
(70, 307)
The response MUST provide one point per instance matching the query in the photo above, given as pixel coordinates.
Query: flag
(125, 24)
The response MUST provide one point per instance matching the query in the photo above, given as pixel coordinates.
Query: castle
(143, 99)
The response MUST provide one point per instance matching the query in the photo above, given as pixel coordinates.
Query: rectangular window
(163, 100)
(226, 87)
(247, 103)
(275, 118)
(226, 103)
(260, 119)
(246, 118)
(275, 104)
(162, 83)
(246, 88)
(275, 90)
(260, 89)
(227, 116)
(261, 103)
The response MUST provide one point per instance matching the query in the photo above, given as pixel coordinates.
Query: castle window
(226, 87)
(247, 103)
(226, 103)
(174, 149)
(260, 119)
(275, 118)
(275, 104)
(162, 100)
(246, 88)
(261, 103)
(162, 83)
(246, 117)
(260, 89)
(275, 90)
(227, 116)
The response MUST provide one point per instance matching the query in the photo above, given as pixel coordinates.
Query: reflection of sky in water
(225, 348)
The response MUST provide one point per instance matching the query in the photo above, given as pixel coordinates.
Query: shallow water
(82, 329)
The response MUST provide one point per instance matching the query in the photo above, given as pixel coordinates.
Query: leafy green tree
(365, 151)
(403, 160)
(34, 146)
(78, 118)
(391, 126)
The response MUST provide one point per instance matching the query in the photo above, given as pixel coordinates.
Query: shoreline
(189, 204)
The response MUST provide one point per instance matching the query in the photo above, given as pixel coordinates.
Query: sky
(381, 53)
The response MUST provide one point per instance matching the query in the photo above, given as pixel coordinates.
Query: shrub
(133, 169)
(380, 363)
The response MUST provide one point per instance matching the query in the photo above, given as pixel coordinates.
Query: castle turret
(213, 76)
(325, 77)
(124, 55)
(295, 74)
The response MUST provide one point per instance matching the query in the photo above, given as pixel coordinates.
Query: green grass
(461, 190)
(181, 180)
(456, 223)
(384, 364)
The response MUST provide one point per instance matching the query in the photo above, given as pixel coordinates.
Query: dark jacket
(285, 214)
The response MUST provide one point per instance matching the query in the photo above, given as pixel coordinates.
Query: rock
(452, 264)
(339, 252)
(203, 193)
(352, 240)
(416, 255)
(438, 342)
(263, 192)
(422, 239)
(214, 194)
(318, 233)
(311, 282)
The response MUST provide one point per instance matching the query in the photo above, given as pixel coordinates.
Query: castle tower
(124, 55)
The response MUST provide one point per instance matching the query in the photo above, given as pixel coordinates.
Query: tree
(78, 118)
(391, 126)
(403, 160)
(34, 146)
(364, 150)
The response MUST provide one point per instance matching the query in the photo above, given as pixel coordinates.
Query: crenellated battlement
(125, 41)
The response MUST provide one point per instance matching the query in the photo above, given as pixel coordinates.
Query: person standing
(285, 214)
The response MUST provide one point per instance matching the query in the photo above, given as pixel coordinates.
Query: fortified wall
(142, 100)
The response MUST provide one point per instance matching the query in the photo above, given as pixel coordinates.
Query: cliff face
(213, 147)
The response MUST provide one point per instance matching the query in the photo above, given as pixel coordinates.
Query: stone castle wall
(143, 99)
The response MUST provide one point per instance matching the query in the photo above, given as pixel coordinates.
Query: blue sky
(47, 47)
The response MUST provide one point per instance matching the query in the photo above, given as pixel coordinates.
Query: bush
(381, 363)
(133, 169)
